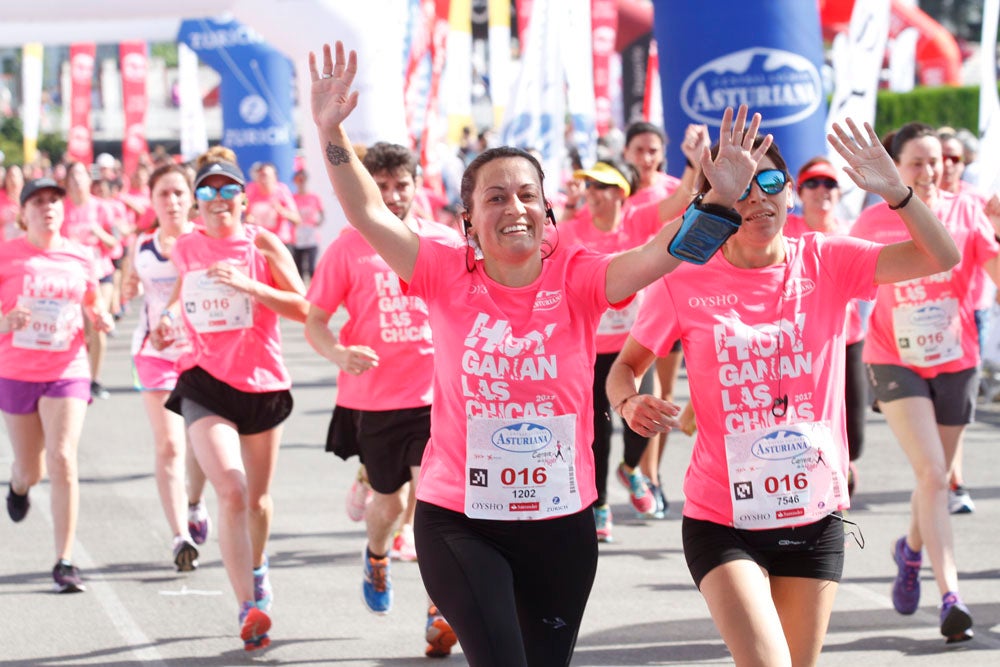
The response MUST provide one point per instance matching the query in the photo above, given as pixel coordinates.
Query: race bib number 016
(521, 470)
(53, 322)
(211, 307)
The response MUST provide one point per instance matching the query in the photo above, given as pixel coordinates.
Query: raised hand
(736, 162)
(696, 139)
(869, 165)
(332, 97)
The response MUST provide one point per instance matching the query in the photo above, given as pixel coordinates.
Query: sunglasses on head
(813, 183)
(597, 185)
(227, 191)
(771, 181)
(954, 159)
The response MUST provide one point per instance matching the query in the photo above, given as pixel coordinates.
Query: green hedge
(955, 106)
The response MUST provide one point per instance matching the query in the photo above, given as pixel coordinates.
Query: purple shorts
(21, 398)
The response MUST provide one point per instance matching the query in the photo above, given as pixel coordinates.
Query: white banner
(988, 156)
(31, 99)
(581, 106)
(857, 64)
(499, 42)
(903, 61)
(194, 137)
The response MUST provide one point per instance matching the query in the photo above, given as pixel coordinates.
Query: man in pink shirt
(271, 204)
(386, 361)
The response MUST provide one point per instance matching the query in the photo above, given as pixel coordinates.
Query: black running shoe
(17, 505)
(67, 578)
(98, 391)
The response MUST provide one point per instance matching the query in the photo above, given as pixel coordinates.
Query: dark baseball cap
(31, 188)
(227, 169)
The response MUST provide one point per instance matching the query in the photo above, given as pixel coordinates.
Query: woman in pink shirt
(504, 527)
(10, 206)
(47, 285)
(762, 328)
(233, 389)
(922, 352)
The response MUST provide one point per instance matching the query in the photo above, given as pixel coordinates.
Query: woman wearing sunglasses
(762, 327)
(922, 353)
(233, 389)
(819, 193)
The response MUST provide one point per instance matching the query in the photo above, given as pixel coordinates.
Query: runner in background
(233, 390)
(10, 203)
(151, 273)
(922, 354)
(271, 205)
(48, 285)
(89, 224)
(384, 388)
(819, 192)
(305, 247)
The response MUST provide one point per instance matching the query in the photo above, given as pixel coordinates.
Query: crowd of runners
(482, 423)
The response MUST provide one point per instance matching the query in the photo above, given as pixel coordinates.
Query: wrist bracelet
(167, 313)
(906, 200)
(621, 404)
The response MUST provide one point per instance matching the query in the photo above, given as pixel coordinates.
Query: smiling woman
(513, 356)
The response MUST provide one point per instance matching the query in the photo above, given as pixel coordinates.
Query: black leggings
(855, 398)
(513, 591)
(635, 444)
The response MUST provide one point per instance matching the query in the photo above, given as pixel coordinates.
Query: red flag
(133, 64)
(80, 146)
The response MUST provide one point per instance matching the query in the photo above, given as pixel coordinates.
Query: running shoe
(603, 521)
(959, 501)
(254, 624)
(376, 589)
(185, 555)
(198, 522)
(67, 578)
(263, 594)
(638, 490)
(403, 545)
(358, 497)
(661, 507)
(906, 588)
(956, 621)
(439, 635)
(17, 505)
(98, 391)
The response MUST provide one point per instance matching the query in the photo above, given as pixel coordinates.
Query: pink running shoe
(638, 491)
(358, 497)
(404, 547)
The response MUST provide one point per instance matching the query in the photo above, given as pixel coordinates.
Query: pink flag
(79, 146)
(132, 56)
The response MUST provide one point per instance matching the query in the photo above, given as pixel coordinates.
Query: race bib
(521, 470)
(784, 475)
(928, 334)
(211, 307)
(619, 321)
(53, 323)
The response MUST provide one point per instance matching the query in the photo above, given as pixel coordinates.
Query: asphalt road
(644, 609)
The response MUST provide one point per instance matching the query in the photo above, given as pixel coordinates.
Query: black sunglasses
(771, 181)
(813, 183)
(597, 185)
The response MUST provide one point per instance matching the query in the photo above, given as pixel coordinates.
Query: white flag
(857, 64)
(31, 105)
(194, 137)
(989, 104)
(903, 61)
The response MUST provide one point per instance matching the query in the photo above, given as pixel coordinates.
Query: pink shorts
(154, 373)
(21, 398)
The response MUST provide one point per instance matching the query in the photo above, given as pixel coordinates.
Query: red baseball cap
(817, 170)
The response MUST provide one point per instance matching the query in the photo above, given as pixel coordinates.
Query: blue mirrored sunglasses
(771, 181)
(228, 191)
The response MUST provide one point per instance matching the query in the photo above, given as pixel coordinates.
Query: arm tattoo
(337, 155)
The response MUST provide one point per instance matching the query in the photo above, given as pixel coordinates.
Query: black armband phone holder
(704, 229)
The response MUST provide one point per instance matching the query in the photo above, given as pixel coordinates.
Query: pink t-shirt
(662, 187)
(795, 227)
(78, 226)
(381, 317)
(752, 335)
(638, 225)
(248, 358)
(55, 281)
(511, 352)
(932, 317)
(260, 207)
(311, 210)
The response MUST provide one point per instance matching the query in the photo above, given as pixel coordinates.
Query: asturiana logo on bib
(932, 316)
(783, 86)
(780, 445)
(522, 438)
